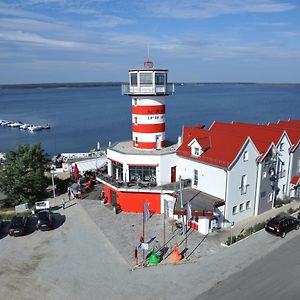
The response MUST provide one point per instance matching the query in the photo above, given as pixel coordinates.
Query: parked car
(44, 220)
(18, 226)
(280, 225)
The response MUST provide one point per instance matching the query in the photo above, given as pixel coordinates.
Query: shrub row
(255, 228)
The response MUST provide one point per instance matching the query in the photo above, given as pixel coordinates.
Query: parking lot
(90, 256)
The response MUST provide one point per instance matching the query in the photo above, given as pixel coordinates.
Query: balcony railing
(167, 89)
(141, 185)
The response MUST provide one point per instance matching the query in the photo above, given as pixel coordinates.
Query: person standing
(63, 203)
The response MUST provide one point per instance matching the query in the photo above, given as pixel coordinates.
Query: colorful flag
(189, 211)
(146, 212)
(166, 208)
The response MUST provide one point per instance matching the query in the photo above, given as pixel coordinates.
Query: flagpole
(143, 232)
(164, 235)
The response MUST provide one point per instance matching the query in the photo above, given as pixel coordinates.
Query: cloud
(213, 8)
(19, 36)
(107, 21)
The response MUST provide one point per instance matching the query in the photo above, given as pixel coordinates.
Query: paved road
(77, 261)
(275, 276)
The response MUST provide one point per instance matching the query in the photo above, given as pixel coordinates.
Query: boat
(25, 126)
(15, 124)
(5, 123)
(47, 126)
(33, 128)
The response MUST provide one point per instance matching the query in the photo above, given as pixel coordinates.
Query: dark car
(44, 220)
(18, 226)
(280, 225)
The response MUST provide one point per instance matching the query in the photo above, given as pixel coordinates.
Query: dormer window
(281, 147)
(196, 151)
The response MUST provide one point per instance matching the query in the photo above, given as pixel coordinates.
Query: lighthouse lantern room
(148, 88)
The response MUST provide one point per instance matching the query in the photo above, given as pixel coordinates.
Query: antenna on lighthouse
(148, 64)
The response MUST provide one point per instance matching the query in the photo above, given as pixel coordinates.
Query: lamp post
(53, 185)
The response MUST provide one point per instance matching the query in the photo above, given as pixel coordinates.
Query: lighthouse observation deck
(167, 89)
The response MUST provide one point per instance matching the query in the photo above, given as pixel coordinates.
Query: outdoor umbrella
(76, 172)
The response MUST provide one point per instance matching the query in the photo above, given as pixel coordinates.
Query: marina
(24, 126)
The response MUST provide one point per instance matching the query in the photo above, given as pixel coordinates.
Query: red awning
(295, 180)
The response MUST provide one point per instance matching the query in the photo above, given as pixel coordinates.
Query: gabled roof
(224, 141)
(223, 148)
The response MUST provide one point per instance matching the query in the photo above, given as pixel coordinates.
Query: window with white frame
(248, 204)
(242, 206)
(145, 78)
(270, 197)
(283, 189)
(135, 120)
(195, 177)
(133, 79)
(135, 101)
(246, 156)
(234, 210)
(136, 140)
(244, 184)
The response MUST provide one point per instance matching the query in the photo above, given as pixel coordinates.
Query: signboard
(21, 208)
(42, 205)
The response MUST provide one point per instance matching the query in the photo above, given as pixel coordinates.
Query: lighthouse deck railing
(167, 89)
(140, 185)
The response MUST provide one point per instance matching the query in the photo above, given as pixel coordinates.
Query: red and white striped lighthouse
(148, 88)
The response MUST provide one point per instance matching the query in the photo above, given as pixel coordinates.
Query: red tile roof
(224, 141)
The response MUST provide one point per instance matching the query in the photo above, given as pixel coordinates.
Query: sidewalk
(251, 221)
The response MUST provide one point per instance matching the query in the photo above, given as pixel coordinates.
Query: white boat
(5, 123)
(33, 128)
(25, 126)
(15, 124)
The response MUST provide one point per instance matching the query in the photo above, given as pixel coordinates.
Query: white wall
(211, 180)
(234, 196)
(283, 157)
(163, 162)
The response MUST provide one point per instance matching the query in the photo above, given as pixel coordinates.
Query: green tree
(22, 176)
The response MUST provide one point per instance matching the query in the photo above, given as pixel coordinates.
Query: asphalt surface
(77, 260)
(275, 276)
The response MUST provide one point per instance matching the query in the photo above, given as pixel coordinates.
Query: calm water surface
(79, 117)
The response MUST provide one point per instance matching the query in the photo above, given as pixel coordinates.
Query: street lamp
(53, 185)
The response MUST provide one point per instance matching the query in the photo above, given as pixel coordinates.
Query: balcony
(167, 89)
(140, 185)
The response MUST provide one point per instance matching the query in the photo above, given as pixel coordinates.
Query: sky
(196, 40)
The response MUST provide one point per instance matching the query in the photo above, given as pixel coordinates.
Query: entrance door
(113, 197)
(173, 174)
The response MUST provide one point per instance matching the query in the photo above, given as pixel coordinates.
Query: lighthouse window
(160, 78)
(143, 173)
(133, 78)
(146, 78)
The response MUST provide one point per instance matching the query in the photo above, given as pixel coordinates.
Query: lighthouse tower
(148, 88)
(138, 169)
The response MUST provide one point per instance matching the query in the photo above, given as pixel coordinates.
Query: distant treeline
(58, 85)
(105, 84)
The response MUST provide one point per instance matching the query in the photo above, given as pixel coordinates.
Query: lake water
(79, 117)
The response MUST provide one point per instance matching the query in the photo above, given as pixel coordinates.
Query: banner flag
(146, 212)
(189, 211)
(166, 208)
